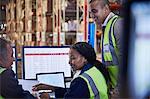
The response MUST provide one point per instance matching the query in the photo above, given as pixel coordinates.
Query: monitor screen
(138, 63)
(45, 60)
(14, 65)
(54, 79)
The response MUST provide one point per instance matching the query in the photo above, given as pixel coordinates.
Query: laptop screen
(54, 79)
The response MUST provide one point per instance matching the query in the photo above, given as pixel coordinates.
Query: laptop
(54, 79)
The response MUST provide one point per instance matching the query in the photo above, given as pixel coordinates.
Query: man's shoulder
(8, 73)
(119, 23)
(120, 20)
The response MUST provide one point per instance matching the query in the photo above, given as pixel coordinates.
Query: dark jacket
(10, 88)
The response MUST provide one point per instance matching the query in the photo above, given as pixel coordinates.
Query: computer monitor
(45, 59)
(14, 65)
(136, 60)
(54, 79)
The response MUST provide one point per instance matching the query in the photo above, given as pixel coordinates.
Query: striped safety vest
(96, 83)
(1, 70)
(110, 51)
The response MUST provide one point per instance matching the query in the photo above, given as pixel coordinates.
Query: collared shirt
(111, 14)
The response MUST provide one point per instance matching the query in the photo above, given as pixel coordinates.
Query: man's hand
(42, 87)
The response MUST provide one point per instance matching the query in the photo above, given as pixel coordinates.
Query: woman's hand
(42, 87)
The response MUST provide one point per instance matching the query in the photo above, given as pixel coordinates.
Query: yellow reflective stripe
(93, 86)
(107, 29)
(99, 81)
(107, 56)
(112, 32)
(89, 87)
(1, 97)
(113, 72)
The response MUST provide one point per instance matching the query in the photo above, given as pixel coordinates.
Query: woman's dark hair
(87, 51)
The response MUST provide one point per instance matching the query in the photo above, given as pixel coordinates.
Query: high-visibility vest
(1, 97)
(1, 70)
(110, 51)
(96, 83)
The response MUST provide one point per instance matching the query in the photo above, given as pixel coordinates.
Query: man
(9, 87)
(111, 25)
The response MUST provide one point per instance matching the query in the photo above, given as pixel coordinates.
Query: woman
(91, 82)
